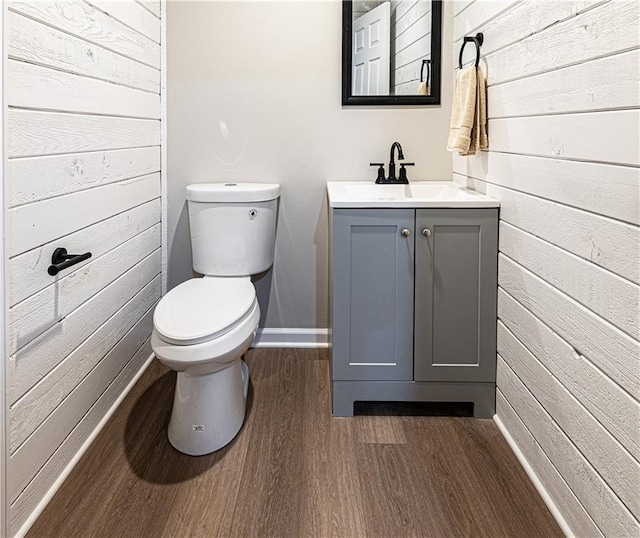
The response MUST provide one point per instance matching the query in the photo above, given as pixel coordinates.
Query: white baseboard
(307, 338)
(67, 470)
(553, 508)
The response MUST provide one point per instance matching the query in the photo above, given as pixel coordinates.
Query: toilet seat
(203, 309)
(212, 355)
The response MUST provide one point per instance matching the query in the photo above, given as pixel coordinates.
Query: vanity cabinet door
(372, 296)
(456, 288)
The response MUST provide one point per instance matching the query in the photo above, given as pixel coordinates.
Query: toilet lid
(201, 309)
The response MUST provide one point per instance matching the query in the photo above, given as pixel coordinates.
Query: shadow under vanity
(413, 294)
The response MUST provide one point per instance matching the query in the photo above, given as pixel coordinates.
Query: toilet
(202, 327)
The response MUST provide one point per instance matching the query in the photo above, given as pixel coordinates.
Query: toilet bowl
(201, 329)
(203, 326)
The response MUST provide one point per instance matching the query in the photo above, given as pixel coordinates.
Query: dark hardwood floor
(295, 471)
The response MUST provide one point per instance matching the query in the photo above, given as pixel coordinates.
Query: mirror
(391, 52)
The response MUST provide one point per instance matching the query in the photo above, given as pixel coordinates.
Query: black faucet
(392, 163)
(392, 179)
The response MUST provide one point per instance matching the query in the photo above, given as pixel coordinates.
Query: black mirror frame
(371, 100)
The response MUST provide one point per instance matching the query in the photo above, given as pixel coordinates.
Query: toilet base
(208, 410)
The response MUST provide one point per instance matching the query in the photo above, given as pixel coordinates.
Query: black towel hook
(478, 39)
(428, 64)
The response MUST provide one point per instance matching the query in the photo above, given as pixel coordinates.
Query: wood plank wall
(410, 40)
(83, 95)
(563, 107)
(4, 429)
(410, 44)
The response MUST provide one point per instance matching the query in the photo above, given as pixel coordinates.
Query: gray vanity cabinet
(414, 306)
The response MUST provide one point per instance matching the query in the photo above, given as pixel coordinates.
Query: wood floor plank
(494, 473)
(453, 506)
(294, 470)
(136, 477)
(384, 430)
(316, 499)
(273, 467)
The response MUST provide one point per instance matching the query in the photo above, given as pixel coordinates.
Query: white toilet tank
(233, 227)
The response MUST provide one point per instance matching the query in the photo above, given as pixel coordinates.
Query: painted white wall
(563, 107)
(254, 95)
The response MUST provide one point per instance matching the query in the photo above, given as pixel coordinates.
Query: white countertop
(416, 194)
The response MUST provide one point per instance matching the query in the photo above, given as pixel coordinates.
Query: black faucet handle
(403, 172)
(380, 166)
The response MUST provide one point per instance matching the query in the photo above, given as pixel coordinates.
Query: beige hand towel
(478, 136)
(479, 130)
(423, 89)
(463, 113)
(482, 140)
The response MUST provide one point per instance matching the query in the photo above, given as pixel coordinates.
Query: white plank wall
(83, 96)
(4, 531)
(411, 43)
(563, 159)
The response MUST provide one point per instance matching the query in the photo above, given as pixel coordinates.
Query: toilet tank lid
(232, 192)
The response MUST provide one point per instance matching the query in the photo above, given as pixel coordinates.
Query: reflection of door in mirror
(409, 43)
(371, 46)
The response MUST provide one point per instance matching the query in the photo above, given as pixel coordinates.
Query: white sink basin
(416, 194)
